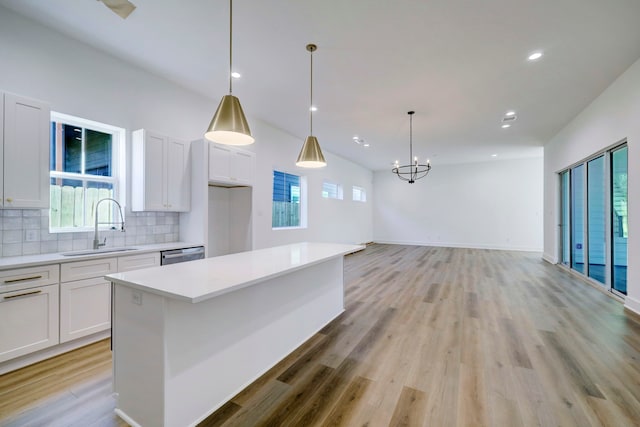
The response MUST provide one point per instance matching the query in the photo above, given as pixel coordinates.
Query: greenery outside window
(86, 165)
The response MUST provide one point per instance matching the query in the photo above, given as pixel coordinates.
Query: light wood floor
(430, 337)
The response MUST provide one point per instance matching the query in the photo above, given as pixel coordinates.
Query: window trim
(362, 191)
(303, 200)
(118, 159)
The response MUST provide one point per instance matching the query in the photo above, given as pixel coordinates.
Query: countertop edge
(117, 279)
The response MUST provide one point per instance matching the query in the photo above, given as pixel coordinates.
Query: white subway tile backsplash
(26, 232)
(11, 249)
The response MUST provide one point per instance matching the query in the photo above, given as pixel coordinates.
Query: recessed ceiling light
(313, 108)
(494, 155)
(535, 55)
(506, 125)
(366, 145)
(510, 113)
(236, 75)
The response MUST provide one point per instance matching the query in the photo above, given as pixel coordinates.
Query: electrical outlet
(137, 297)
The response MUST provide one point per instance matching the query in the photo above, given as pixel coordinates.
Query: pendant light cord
(311, 96)
(230, 45)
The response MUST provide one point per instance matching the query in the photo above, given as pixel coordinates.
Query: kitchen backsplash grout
(26, 232)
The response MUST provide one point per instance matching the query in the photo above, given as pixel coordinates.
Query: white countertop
(199, 280)
(55, 258)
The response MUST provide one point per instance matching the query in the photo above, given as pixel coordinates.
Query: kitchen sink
(97, 251)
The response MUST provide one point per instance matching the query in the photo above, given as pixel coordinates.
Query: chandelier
(412, 171)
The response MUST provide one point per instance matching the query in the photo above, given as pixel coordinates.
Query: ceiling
(459, 64)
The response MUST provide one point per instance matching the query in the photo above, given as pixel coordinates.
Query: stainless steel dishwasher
(181, 255)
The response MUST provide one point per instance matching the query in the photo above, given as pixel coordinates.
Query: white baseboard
(459, 245)
(549, 258)
(632, 304)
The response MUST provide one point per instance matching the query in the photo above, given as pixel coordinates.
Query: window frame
(363, 192)
(302, 200)
(338, 190)
(118, 167)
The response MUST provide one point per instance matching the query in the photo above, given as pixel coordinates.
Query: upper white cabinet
(161, 177)
(231, 166)
(24, 161)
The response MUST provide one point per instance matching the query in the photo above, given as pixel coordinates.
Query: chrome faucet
(96, 240)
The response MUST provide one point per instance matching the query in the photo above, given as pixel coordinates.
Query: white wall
(610, 118)
(496, 204)
(345, 221)
(79, 80)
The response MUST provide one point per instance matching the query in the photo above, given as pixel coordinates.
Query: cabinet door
(28, 321)
(219, 163)
(85, 308)
(242, 166)
(26, 148)
(148, 165)
(178, 176)
(1, 149)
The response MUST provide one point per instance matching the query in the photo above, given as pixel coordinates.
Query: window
(594, 218)
(331, 190)
(288, 200)
(359, 194)
(84, 168)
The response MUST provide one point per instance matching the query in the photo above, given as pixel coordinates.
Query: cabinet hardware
(24, 279)
(22, 295)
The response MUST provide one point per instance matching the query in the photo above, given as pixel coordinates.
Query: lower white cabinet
(28, 321)
(136, 262)
(85, 297)
(85, 308)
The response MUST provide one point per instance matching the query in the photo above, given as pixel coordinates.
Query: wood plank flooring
(430, 337)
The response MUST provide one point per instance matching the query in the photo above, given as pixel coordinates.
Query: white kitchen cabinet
(29, 277)
(25, 147)
(85, 308)
(85, 297)
(28, 321)
(161, 176)
(136, 262)
(231, 166)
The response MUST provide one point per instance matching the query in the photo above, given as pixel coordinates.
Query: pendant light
(414, 170)
(229, 125)
(311, 155)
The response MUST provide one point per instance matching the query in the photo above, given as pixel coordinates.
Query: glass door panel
(577, 218)
(596, 223)
(619, 229)
(565, 225)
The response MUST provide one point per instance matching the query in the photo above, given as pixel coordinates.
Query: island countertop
(196, 281)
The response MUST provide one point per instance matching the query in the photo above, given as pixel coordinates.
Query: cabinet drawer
(136, 262)
(88, 269)
(29, 277)
(85, 308)
(28, 321)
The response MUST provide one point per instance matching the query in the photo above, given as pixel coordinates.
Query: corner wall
(493, 205)
(610, 118)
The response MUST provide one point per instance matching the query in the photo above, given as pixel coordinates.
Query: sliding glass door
(596, 219)
(619, 219)
(593, 218)
(577, 218)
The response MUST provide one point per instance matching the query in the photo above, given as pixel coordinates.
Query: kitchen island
(188, 337)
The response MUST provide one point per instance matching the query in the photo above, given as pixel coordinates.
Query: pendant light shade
(229, 125)
(311, 155)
